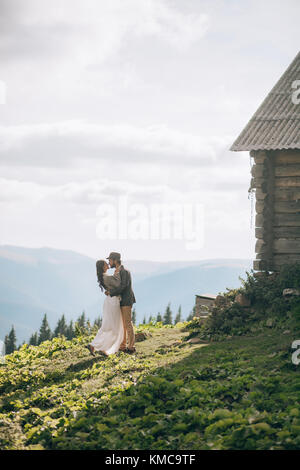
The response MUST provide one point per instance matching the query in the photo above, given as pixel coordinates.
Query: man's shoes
(131, 351)
(127, 350)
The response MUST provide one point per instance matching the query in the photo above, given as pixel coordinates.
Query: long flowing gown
(110, 334)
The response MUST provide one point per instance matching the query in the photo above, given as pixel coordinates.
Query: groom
(127, 300)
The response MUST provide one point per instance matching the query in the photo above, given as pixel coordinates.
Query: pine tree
(178, 316)
(159, 317)
(6, 341)
(81, 325)
(192, 314)
(133, 316)
(150, 319)
(10, 341)
(81, 320)
(98, 322)
(45, 331)
(88, 326)
(34, 339)
(61, 327)
(70, 333)
(167, 320)
(144, 321)
(2, 350)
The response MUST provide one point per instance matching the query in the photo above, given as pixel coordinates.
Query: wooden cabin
(273, 138)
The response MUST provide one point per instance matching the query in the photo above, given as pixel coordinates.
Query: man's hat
(114, 255)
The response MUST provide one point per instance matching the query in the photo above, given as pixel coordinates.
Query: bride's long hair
(100, 271)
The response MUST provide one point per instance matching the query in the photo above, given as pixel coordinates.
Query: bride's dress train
(111, 332)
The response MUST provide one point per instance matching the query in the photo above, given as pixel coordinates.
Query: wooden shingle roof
(276, 123)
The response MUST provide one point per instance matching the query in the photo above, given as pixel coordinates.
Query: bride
(111, 332)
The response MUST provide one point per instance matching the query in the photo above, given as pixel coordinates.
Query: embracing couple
(116, 316)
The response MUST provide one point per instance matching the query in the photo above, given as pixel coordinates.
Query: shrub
(268, 306)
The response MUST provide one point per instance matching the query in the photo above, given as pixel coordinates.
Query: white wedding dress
(111, 332)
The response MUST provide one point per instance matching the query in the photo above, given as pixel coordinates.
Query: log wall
(276, 179)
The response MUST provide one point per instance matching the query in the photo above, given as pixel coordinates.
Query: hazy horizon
(128, 259)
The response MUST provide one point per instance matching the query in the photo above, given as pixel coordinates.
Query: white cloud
(2, 92)
(180, 30)
(65, 216)
(59, 143)
(24, 192)
(93, 30)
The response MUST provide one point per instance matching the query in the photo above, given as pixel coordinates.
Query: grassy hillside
(238, 393)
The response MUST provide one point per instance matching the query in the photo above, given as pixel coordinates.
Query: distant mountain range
(34, 281)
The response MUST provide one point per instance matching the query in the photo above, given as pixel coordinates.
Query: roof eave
(248, 148)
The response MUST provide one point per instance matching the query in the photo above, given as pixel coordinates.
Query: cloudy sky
(137, 99)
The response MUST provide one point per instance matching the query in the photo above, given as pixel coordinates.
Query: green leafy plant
(268, 308)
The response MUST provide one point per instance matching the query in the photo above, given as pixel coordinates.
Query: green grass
(240, 393)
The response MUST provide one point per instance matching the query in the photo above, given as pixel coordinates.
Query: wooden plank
(259, 220)
(259, 194)
(274, 267)
(286, 206)
(260, 265)
(285, 245)
(278, 232)
(264, 255)
(285, 170)
(268, 212)
(259, 246)
(260, 233)
(258, 155)
(290, 258)
(259, 206)
(264, 219)
(286, 194)
(284, 220)
(286, 157)
(259, 171)
(262, 207)
(283, 232)
(277, 259)
(286, 182)
(260, 183)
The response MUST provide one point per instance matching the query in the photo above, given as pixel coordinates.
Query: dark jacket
(125, 289)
